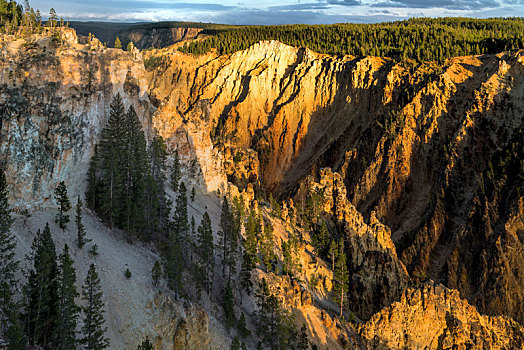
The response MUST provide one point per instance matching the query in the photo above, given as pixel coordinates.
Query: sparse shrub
(128, 274)
(94, 250)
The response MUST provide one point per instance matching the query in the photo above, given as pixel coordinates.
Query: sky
(275, 11)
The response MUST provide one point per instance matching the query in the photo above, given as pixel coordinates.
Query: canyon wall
(54, 101)
(434, 151)
(424, 177)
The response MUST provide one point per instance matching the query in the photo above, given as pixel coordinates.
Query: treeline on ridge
(422, 39)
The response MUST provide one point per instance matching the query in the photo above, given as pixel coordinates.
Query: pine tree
(206, 251)
(192, 194)
(268, 315)
(228, 303)
(175, 171)
(245, 273)
(303, 341)
(121, 188)
(118, 43)
(158, 207)
(252, 233)
(135, 169)
(41, 291)
(235, 344)
(249, 258)
(112, 153)
(229, 239)
(146, 344)
(93, 329)
(333, 252)
(68, 310)
(181, 220)
(320, 238)
(193, 238)
(341, 277)
(267, 245)
(9, 324)
(64, 205)
(174, 262)
(93, 186)
(242, 326)
(156, 273)
(53, 18)
(81, 232)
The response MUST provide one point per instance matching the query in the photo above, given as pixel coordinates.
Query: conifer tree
(249, 257)
(303, 341)
(68, 310)
(245, 272)
(41, 292)
(333, 252)
(321, 238)
(175, 171)
(341, 277)
(276, 327)
(64, 205)
(242, 326)
(9, 324)
(135, 171)
(193, 228)
(235, 344)
(229, 239)
(268, 315)
(118, 43)
(112, 153)
(174, 262)
(252, 232)
(93, 185)
(156, 272)
(146, 344)
(158, 208)
(228, 303)
(267, 247)
(53, 18)
(80, 229)
(181, 220)
(93, 330)
(206, 251)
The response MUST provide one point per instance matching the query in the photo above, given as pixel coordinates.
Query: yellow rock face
(413, 143)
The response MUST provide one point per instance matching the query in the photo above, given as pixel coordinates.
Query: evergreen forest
(421, 39)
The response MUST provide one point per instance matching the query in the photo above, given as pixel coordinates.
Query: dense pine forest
(422, 39)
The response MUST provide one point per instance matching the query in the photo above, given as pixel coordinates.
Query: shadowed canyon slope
(435, 151)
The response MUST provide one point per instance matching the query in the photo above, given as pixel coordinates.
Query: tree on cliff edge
(118, 43)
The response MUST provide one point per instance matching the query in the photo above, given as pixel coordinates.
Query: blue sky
(275, 11)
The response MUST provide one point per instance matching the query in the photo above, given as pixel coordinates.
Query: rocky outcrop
(54, 101)
(377, 276)
(434, 317)
(433, 150)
